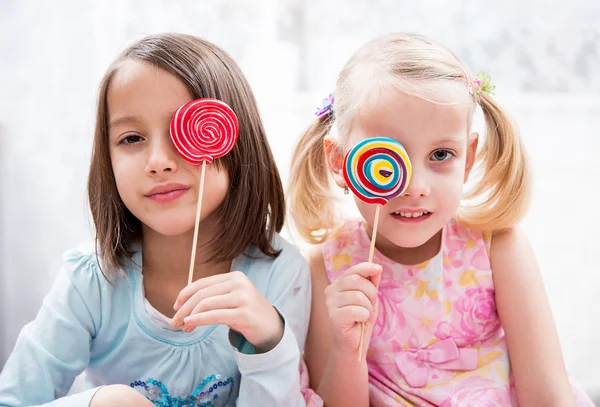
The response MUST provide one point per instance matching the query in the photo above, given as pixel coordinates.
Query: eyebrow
(449, 140)
(132, 119)
(124, 120)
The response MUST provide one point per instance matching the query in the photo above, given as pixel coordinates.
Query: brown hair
(410, 63)
(254, 208)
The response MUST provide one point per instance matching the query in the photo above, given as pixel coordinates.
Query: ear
(335, 160)
(471, 154)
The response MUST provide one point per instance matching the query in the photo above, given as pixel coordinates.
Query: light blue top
(87, 324)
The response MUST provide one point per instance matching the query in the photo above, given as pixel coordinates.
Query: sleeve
(273, 378)
(53, 349)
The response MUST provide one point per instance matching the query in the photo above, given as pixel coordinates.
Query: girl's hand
(230, 299)
(352, 299)
(119, 395)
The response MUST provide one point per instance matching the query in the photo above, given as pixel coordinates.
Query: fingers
(349, 315)
(373, 315)
(350, 298)
(198, 285)
(365, 270)
(214, 317)
(355, 282)
(225, 301)
(363, 277)
(196, 298)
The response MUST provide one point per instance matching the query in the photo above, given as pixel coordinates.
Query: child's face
(441, 153)
(155, 183)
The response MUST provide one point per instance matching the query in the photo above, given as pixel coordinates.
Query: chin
(410, 238)
(409, 242)
(171, 227)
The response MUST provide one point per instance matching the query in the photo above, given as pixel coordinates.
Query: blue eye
(441, 155)
(131, 139)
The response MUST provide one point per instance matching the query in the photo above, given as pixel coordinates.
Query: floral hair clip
(483, 83)
(326, 107)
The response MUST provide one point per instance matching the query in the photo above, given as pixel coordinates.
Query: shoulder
(288, 254)
(288, 267)
(80, 290)
(316, 262)
(318, 271)
(83, 269)
(82, 265)
(350, 231)
(512, 254)
(279, 279)
(312, 260)
(346, 245)
(510, 242)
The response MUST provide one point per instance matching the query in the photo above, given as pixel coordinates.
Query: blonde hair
(412, 64)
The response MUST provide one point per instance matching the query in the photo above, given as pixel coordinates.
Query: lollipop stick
(371, 253)
(198, 210)
(376, 222)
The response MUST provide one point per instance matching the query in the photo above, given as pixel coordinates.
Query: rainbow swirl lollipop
(204, 129)
(377, 169)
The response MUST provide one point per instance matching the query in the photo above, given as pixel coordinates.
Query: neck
(408, 256)
(168, 257)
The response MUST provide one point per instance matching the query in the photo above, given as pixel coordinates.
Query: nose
(162, 156)
(419, 185)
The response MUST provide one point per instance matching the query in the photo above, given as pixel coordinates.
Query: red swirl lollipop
(204, 129)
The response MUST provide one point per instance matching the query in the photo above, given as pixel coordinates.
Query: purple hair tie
(326, 107)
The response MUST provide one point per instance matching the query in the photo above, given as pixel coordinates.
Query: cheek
(448, 188)
(451, 173)
(216, 185)
(221, 185)
(448, 182)
(123, 173)
(366, 210)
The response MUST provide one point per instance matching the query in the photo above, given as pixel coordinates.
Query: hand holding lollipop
(202, 130)
(376, 170)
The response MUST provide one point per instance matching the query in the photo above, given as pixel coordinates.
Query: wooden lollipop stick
(374, 236)
(198, 210)
(371, 253)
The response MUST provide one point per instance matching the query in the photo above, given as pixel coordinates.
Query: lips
(411, 215)
(406, 214)
(167, 192)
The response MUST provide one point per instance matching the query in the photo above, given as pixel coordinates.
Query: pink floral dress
(437, 340)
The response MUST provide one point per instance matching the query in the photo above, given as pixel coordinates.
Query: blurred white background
(544, 57)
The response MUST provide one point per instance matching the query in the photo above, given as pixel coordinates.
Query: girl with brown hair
(117, 310)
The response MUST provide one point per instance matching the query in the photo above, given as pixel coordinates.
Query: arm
(336, 374)
(53, 349)
(533, 345)
(273, 378)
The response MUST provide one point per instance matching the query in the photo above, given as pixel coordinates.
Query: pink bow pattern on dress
(444, 355)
